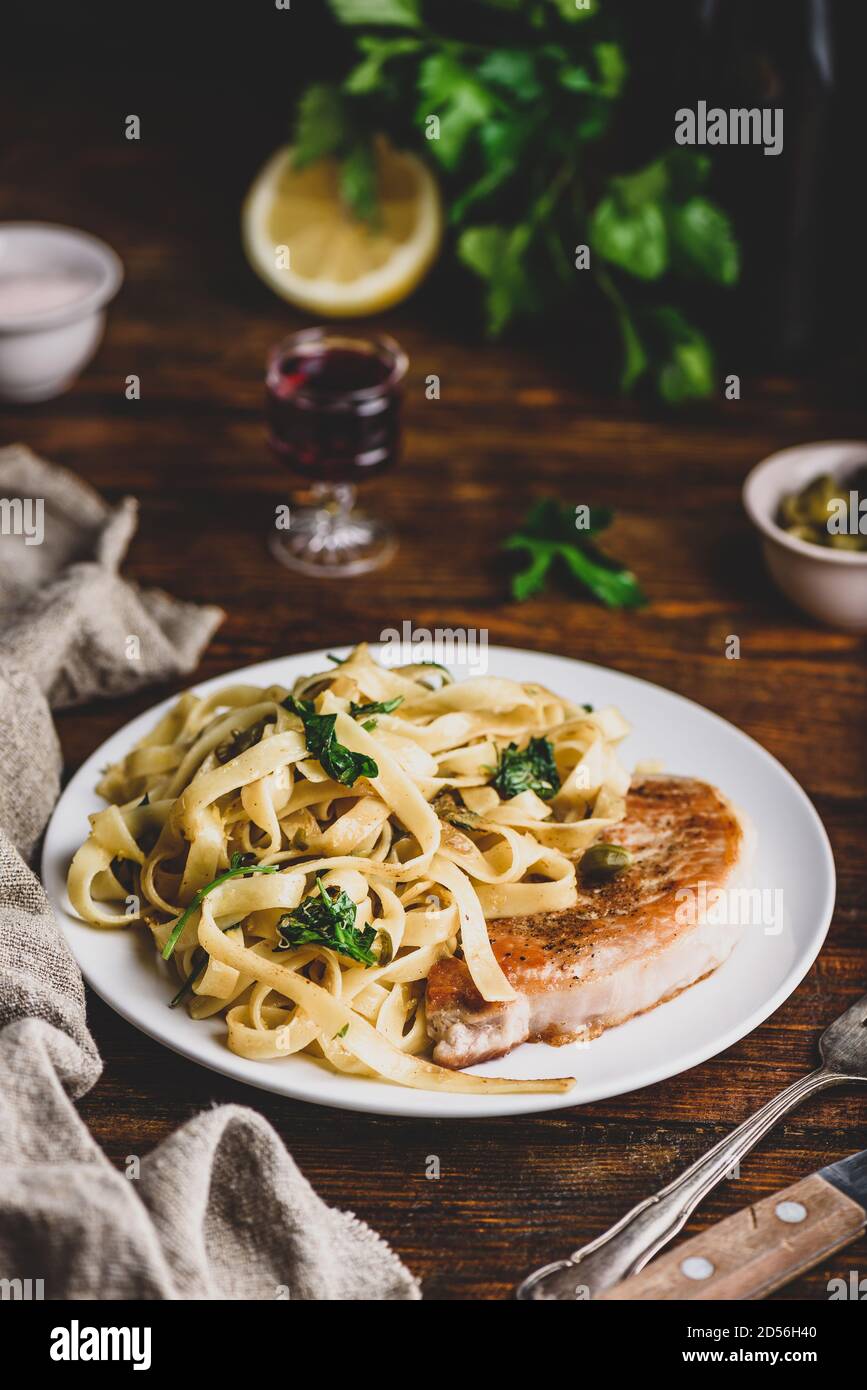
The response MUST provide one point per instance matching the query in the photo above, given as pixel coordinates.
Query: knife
(762, 1247)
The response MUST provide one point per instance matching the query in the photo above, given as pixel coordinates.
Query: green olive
(603, 862)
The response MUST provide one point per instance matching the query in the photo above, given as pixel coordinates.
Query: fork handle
(627, 1246)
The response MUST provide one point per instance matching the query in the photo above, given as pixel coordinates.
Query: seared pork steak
(625, 947)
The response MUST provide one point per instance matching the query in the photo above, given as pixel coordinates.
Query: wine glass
(333, 404)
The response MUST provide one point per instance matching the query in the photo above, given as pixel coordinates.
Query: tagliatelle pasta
(305, 857)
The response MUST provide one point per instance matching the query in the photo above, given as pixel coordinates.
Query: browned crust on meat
(708, 840)
(682, 833)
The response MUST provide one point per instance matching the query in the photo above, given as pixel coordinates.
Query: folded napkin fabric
(185, 1228)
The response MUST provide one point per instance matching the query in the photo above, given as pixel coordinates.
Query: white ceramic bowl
(42, 351)
(830, 585)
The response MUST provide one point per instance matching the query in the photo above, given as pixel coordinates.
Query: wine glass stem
(334, 502)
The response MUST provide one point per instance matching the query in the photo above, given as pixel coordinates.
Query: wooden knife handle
(750, 1254)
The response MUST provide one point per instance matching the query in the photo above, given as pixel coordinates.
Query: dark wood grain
(513, 421)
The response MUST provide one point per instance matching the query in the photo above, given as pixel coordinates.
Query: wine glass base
(329, 545)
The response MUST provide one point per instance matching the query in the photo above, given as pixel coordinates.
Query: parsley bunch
(549, 539)
(512, 99)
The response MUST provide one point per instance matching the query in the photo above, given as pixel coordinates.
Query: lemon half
(301, 240)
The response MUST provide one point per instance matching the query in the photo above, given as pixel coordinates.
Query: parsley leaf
(199, 960)
(326, 125)
(702, 240)
(572, 13)
(452, 91)
(404, 13)
(320, 124)
(370, 75)
(327, 921)
(239, 867)
(636, 241)
(685, 363)
(654, 217)
(358, 187)
(548, 535)
(374, 707)
(530, 769)
(500, 255)
(337, 760)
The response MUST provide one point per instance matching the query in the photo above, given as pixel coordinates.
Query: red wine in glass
(333, 405)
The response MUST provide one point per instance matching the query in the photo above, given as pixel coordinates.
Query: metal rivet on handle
(793, 1212)
(696, 1267)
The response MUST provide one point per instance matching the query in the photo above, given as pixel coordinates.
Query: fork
(639, 1235)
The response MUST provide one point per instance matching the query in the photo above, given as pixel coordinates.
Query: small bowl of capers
(809, 505)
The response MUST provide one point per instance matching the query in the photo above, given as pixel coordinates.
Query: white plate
(793, 855)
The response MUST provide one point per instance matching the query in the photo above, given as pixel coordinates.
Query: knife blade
(762, 1247)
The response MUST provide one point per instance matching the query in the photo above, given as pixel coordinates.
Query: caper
(806, 514)
(792, 511)
(817, 495)
(842, 540)
(602, 862)
(807, 533)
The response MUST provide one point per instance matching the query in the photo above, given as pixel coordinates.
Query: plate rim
(472, 1107)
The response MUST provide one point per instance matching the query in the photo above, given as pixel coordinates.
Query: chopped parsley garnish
(198, 961)
(242, 739)
(125, 871)
(449, 806)
(337, 760)
(323, 920)
(374, 707)
(435, 666)
(529, 769)
(239, 867)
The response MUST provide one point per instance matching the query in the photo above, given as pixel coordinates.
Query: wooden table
(512, 423)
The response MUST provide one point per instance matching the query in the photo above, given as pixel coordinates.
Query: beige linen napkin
(220, 1210)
